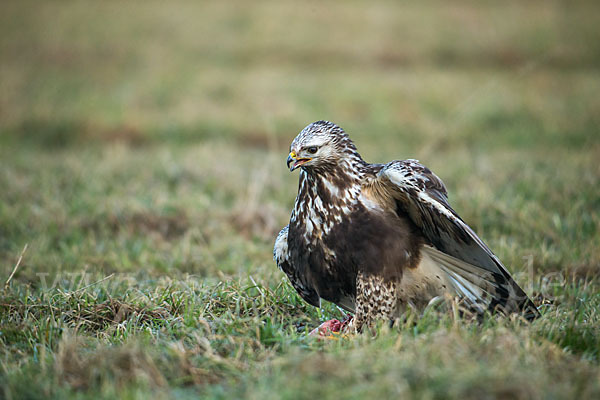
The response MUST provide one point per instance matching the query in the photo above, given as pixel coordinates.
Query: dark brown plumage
(377, 238)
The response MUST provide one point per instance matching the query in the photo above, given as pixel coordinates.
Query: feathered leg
(375, 300)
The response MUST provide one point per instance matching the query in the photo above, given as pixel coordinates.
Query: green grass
(142, 160)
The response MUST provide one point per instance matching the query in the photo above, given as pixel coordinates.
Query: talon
(346, 322)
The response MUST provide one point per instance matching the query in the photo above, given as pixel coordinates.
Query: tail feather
(483, 289)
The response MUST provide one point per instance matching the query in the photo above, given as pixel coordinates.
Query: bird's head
(320, 145)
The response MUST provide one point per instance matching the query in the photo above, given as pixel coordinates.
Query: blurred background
(152, 135)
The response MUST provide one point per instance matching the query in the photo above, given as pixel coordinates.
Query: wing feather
(280, 255)
(420, 194)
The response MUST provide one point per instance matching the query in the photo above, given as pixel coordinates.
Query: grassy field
(142, 162)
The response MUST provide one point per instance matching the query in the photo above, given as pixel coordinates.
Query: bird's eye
(312, 150)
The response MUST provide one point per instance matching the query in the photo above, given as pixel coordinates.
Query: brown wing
(420, 194)
(280, 255)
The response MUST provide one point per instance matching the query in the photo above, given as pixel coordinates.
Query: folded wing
(280, 255)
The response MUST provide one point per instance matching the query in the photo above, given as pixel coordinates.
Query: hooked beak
(295, 161)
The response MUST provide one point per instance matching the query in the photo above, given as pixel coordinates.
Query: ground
(143, 150)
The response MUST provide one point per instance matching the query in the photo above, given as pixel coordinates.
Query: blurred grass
(147, 140)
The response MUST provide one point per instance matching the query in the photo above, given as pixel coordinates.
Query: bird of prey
(378, 238)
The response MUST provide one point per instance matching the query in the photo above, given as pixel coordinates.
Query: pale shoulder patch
(280, 250)
(374, 197)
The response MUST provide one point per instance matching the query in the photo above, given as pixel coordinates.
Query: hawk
(377, 238)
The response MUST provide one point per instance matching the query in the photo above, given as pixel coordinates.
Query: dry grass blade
(94, 283)
(14, 271)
